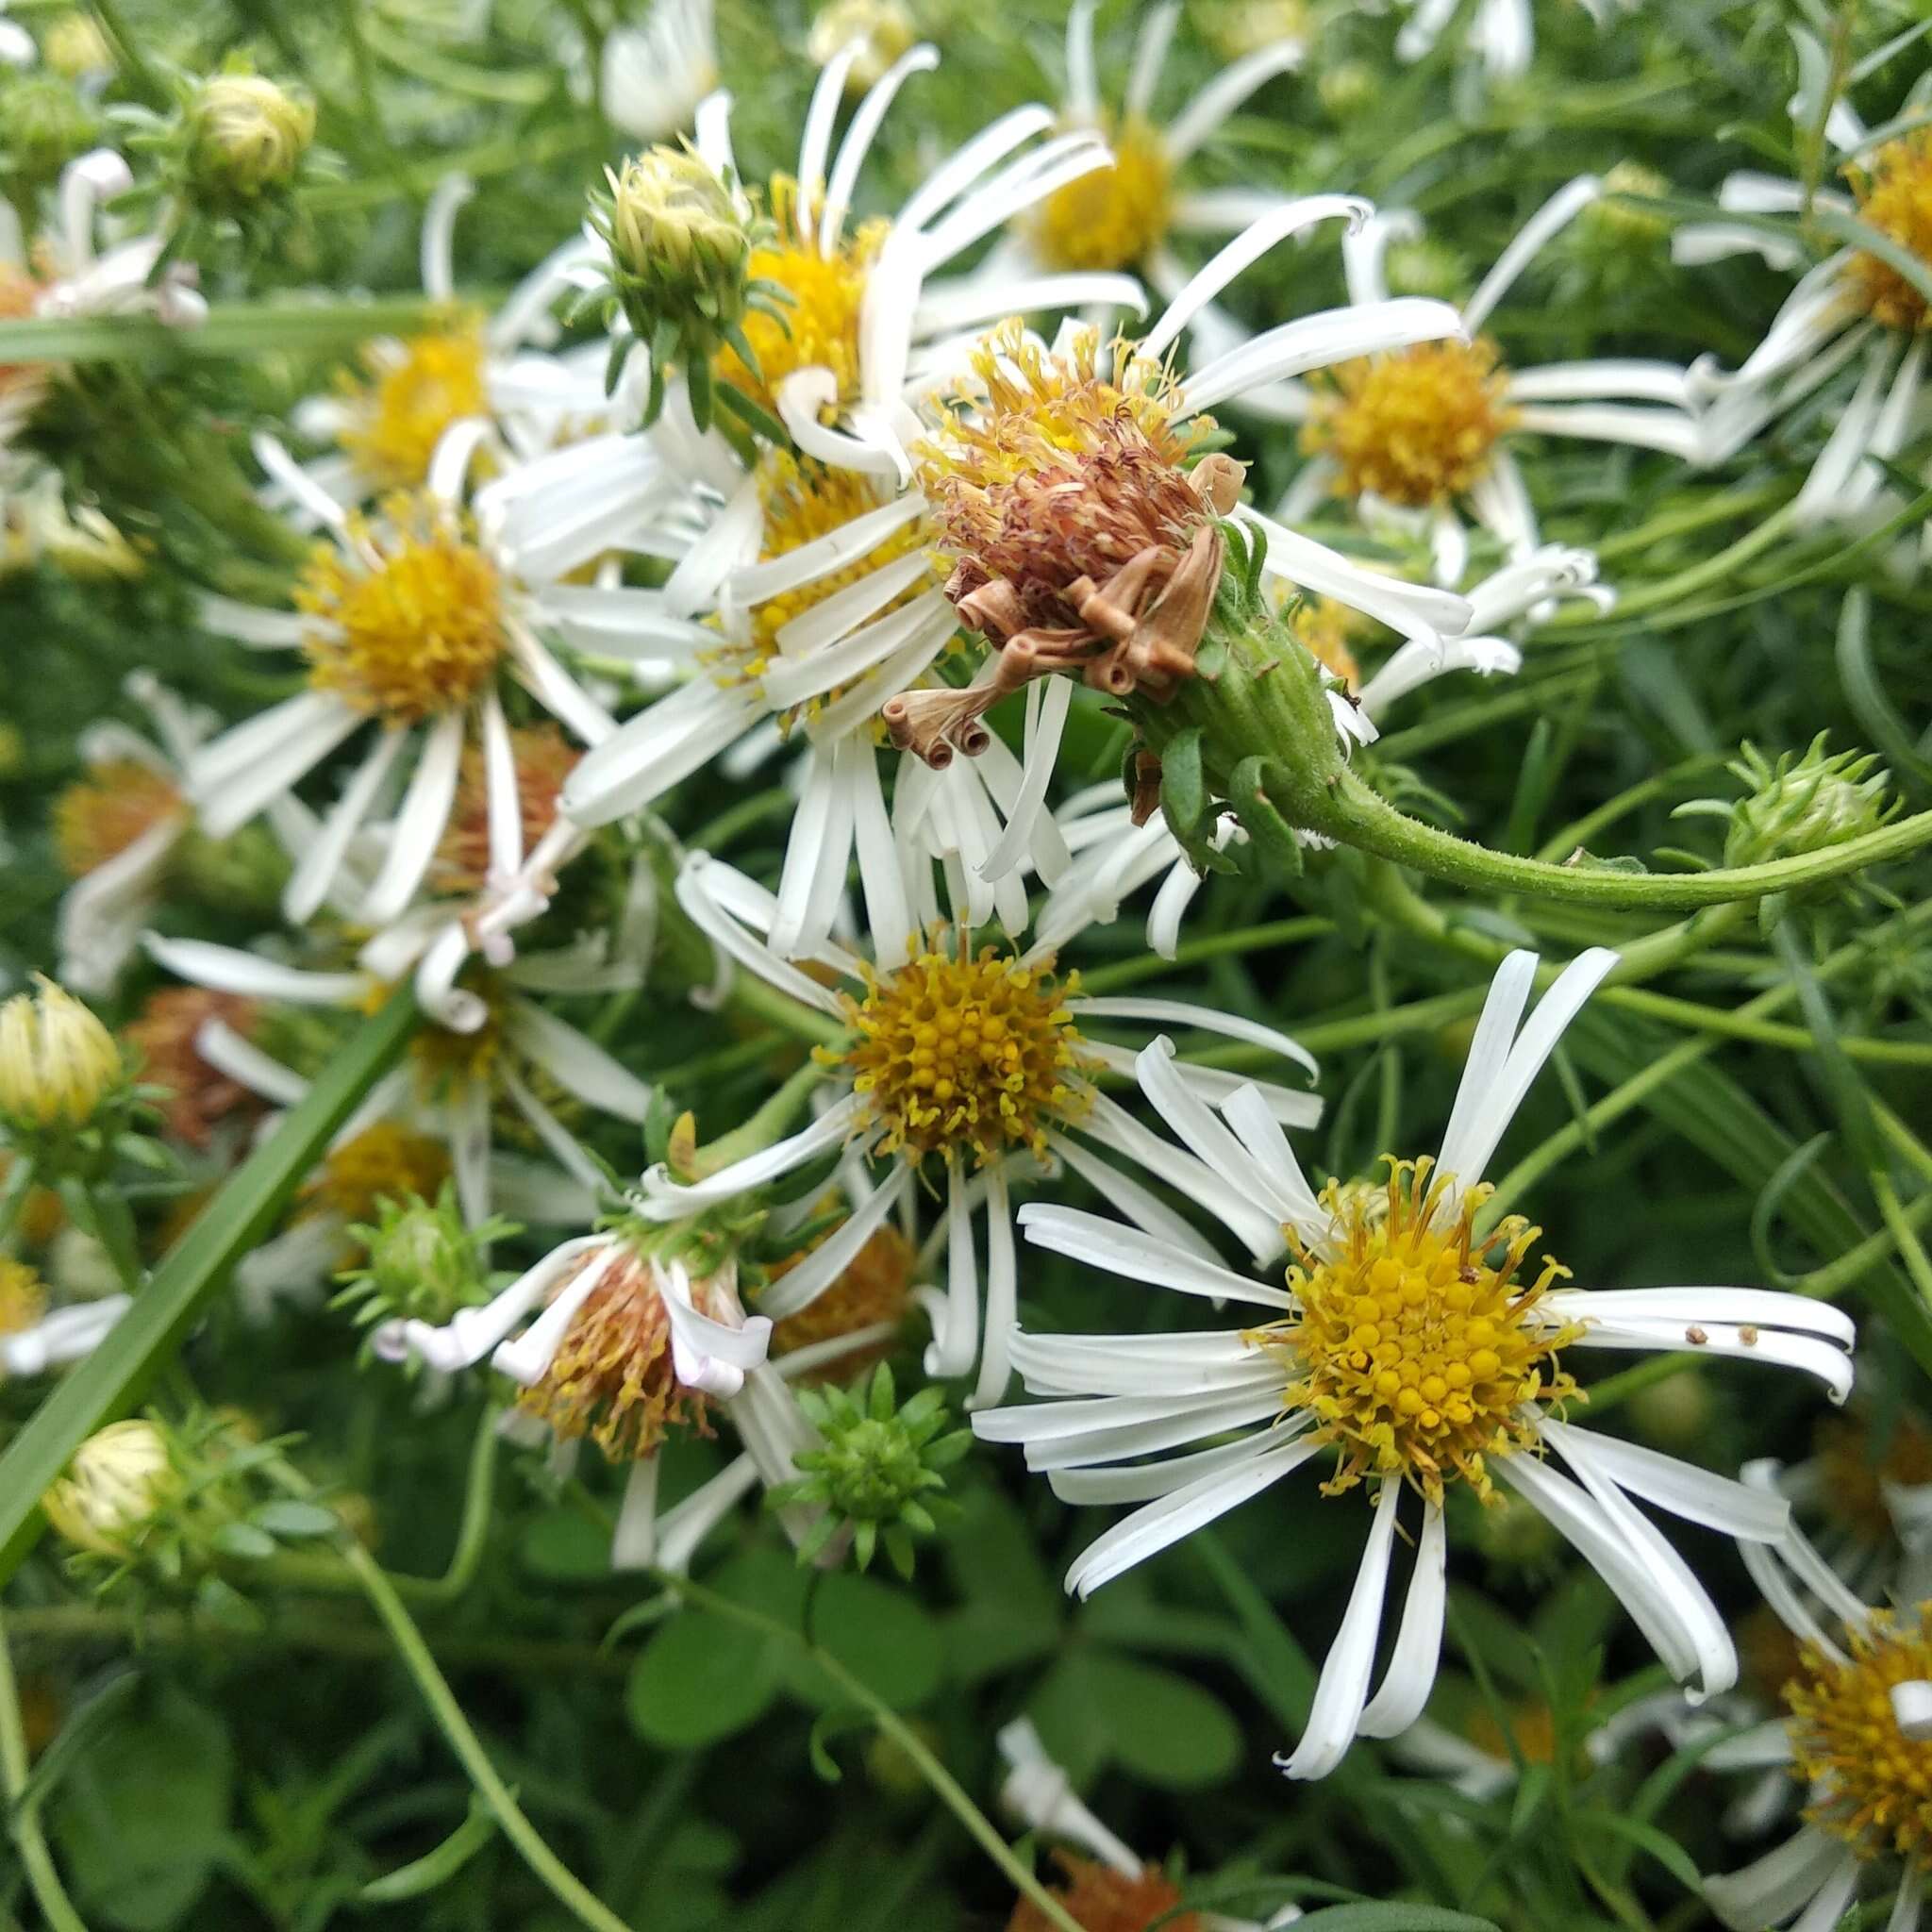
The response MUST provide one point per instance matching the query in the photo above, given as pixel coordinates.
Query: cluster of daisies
(871, 502)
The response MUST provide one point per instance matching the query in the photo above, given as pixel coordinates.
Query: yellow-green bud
(247, 135)
(884, 25)
(57, 1063)
(118, 1480)
(675, 227)
(1804, 804)
(75, 46)
(1613, 219)
(1425, 266)
(1246, 27)
(1346, 89)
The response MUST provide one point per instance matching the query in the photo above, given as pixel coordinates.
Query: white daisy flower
(1414, 435)
(116, 830)
(1126, 214)
(1114, 857)
(1102, 1881)
(1420, 1351)
(1849, 311)
(612, 1337)
(973, 1066)
(657, 70)
(1856, 1735)
(388, 423)
(418, 623)
(67, 274)
(507, 1051)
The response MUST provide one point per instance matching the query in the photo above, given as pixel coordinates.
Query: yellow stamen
(22, 1300)
(1895, 197)
(821, 325)
(959, 1056)
(397, 417)
(1416, 1356)
(1416, 428)
(1111, 217)
(410, 614)
(97, 818)
(1874, 1784)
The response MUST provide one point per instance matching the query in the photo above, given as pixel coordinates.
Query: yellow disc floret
(413, 393)
(384, 1162)
(1110, 217)
(410, 614)
(1895, 197)
(1416, 1348)
(1872, 1784)
(1416, 428)
(957, 1055)
(820, 328)
(97, 818)
(22, 1300)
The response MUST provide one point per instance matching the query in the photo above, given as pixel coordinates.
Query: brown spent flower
(199, 1097)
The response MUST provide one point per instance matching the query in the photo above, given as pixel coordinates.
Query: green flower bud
(43, 123)
(1346, 89)
(422, 1263)
(74, 46)
(1426, 267)
(1616, 223)
(879, 1469)
(246, 137)
(1801, 803)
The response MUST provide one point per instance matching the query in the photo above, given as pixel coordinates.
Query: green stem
(564, 1884)
(1672, 589)
(235, 328)
(1911, 1250)
(110, 1381)
(945, 1787)
(43, 1879)
(1355, 814)
(141, 79)
(760, 1000)
(1696, 516)
(1581, 831)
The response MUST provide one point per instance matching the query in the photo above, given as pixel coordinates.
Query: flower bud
(57, 1063)
(246, 137)
(1802, 804)
(680, 245)
(1347, 88)
(116, 1483)
(43, 123)
(1615, 222)
(1240, 28)
(884, 25)
(76, 47)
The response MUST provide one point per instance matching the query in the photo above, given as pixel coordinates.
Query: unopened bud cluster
(1802, 802)
(423, 1263)
(246, 136)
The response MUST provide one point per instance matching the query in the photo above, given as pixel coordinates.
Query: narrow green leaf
(1393, 1918)
(109, 1383)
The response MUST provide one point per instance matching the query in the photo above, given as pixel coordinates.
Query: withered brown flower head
(199, 1097)
(1075, 535)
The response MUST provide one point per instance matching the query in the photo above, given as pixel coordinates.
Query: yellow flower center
(384, 1162)
(97, 818)
(398, 416)
(821, 325)
(410, 614)
(1416, 1354)
(1415, 427)
(1896, 198)
(611, 1378)
(1876, 1784)
(957, 1055)
(1856, 1468)
(23, 1301)
(445, 1059)
(1111, 217)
